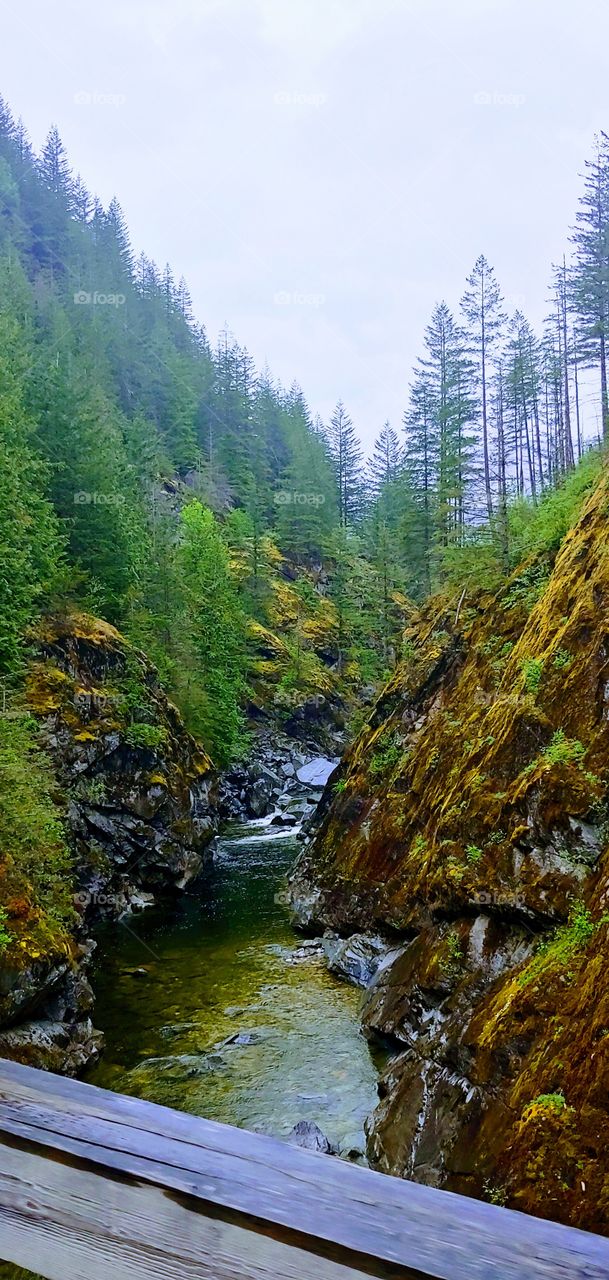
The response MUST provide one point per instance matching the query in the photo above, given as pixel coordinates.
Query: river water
(214, 1012)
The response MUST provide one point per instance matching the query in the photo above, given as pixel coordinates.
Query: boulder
(308, 1135)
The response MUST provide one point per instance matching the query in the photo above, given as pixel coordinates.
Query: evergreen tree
(589, 283)
(482, 307)
(217, 629)
(346, 453)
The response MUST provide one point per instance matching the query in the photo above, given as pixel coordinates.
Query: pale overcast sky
(323, 171)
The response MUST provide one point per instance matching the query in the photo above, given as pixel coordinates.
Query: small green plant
(454, 869)
(562, 660)
(5, 935)
(473, 853)
(385, 758)
(419, 846)
(532, 670)
(94, 790)
(568, 940)
(549, 1101)
(527, 588)
(495, 1194)
(563, 750)
(452, 960)
(434, 758)
(150, 736)
(340, 786)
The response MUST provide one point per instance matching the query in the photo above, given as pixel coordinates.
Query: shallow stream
(221, 1011)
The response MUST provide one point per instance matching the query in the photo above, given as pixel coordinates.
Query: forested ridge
(163, 484)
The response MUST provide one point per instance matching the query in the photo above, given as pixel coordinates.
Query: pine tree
(346, 453)
(216, 625)
(54, 168)
(589, 283)
(386, 458)
(482, 306)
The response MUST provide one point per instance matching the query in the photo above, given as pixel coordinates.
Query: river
(220, 1011)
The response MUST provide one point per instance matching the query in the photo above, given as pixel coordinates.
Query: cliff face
(134, 798)
(469, 824)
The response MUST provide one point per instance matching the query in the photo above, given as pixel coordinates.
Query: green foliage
(217, 630)
(5, 934)
(532, 670)
(386, 756)
(563, 750)
(473, 853)
(529, 585)
(30, 541)
(549, 1102)
(536, 530)
(151, 736)
(568, 940)
(31, 834)
(562, 660)
(452, 958)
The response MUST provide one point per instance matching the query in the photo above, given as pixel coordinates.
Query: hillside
(468, 824)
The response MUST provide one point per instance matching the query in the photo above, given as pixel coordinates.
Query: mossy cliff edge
(469, 824)
(106, 802)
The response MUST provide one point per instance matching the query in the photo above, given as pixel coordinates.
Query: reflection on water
(213, 1012)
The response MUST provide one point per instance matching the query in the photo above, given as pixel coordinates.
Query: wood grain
(94, 1183)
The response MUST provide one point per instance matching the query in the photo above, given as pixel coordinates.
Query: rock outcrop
(136, 796)
(468, 825)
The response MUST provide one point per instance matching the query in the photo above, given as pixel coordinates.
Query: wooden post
(96, 1185)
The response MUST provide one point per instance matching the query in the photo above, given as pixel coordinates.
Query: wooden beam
(95, 1184)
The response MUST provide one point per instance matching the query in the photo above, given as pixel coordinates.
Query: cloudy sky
(324, 171)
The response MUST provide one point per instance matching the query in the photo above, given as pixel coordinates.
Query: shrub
(32, 839)
(563, 750)
(149, 736)
(532, 670)
(5, 936)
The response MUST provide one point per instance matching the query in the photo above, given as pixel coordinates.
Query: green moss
(557, 952)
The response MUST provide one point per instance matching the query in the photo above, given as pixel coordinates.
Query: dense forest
(168, 486)
(208, 594)
(165, 485)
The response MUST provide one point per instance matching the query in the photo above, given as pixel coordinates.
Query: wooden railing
(94, 1185)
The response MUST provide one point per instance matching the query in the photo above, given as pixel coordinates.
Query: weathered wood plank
(65, 1145)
